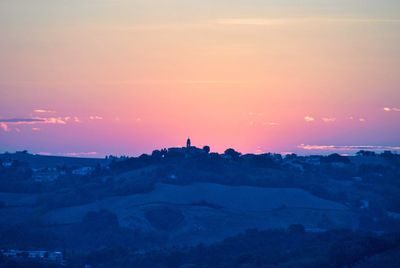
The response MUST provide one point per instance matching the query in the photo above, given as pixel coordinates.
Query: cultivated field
(212, 212)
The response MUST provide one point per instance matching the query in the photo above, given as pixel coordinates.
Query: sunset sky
(124, 77)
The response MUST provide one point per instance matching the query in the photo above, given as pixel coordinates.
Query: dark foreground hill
(172, 207)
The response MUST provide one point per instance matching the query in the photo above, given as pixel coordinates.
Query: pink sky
(127, 77)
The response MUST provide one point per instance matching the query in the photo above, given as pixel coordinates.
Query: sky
(124, 77)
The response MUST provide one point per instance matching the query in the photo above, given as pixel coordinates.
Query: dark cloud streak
(21, 120)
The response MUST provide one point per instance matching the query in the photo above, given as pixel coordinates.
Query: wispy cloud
(78, 154)
(328, 119)
(272, 124)
(95, 117)
(55, 120)
(43, 111)
(309, 119)
(72, 154)
(393, 109)
(251, 21)
(35, 129)
(348, 147)
(174, 82)
(4, 127)
(6, 122)
(73, 119)
(20, 121)
(199, 82)
(295, 20)
(360, 119)
(44, 153)
(34, 120)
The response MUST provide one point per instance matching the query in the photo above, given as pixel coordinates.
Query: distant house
(53, 256)
(7, 163)
(83, 171)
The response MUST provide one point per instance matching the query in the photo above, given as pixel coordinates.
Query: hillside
(211, 212)
(180, 197)
(45, 161)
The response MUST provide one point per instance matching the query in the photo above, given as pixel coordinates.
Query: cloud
(77, 154)
(43, 111)
(55, 120)
(393, 109)
(200, 82)
(362, 120)
(255, 114)
(44, 153)
(309, 119)
(251, 21)
(73, 154)
(272, 124)
(294, 20)
(329, 119)
(72, 118)
(259, 150)
(4, 127)
(173, 82)
(20, 121)
(34, 120)
(95, 117)
(348, 147)
(5, 123)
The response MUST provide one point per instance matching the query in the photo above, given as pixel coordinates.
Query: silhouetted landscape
(190, 207)
(293, 108)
